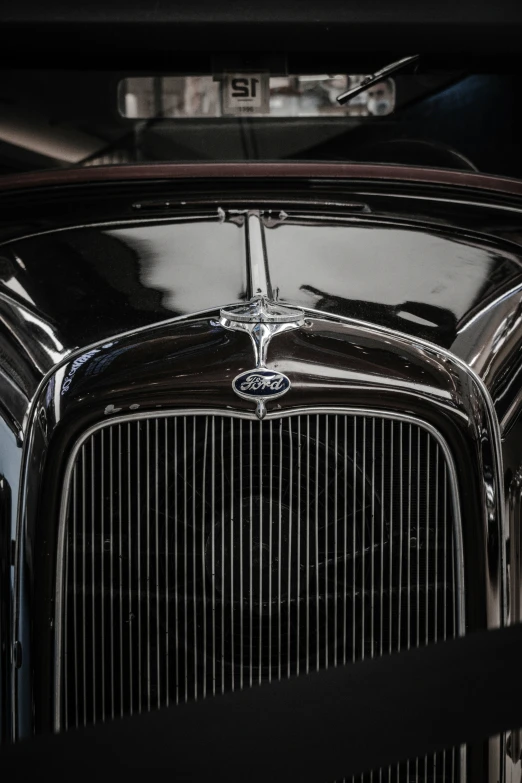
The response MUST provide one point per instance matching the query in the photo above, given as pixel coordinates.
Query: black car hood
(90, 283)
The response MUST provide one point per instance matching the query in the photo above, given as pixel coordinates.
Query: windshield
(443, 119)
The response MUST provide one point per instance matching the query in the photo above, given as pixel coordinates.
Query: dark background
(90, 46)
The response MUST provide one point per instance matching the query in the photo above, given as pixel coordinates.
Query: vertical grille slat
(270, 548)
(120, 564)
(354, 530)
(308, 558)
(84, 590)
(194, 556)
(93, 580)
(138, 558)
(205, 553)
(289, 588)
(159, 698)
(176, 596)
(148, 553)
(372, 546)
(185, 563)
(298, 591)
(401, 536)
(222, 559)
(203, 569)
(390, 548)
(166, 516)
(326, 585)
(250, 553)
(213, 555)
(260, 523)
(279, 560)
(130, 572)
(231, 555)
(75, 589)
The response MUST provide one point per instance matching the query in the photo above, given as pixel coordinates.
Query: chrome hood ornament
(262, 320)
(263, 317)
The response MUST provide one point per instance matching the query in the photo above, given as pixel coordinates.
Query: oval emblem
(261, 384)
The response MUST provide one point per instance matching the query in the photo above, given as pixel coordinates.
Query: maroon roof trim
(381, 172)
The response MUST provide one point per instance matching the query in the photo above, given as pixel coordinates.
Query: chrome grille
(205, 553)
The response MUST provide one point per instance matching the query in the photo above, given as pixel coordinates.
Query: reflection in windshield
(305, 95)
(56, 118)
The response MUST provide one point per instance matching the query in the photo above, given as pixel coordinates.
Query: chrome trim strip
(129, 554)
(156, 490)
(75, 618)
(260, 627)
(390, 553)
(250, 556)
(381, 602)
(214, 205)
(308, 546)
(222, 555)
(409, 548)
(256, 256)
(111, 523)
(326, 586)
(93, 580)
(147, 416)
(193, 567)
(231, 550)
(185, 558)
(335, 516)
(427, 562)
(84, 630)
(213, 555)
(176, 597)
(401, 533)
(138, 563)
(446, 200)
(289, 587)
(205, 449)
(298, 588)
(147, 574)
(241, 528)
(418, 535)
(345, 518)
(120, 558)
(316, 536)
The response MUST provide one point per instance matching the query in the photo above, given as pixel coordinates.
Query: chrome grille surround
(361, 438)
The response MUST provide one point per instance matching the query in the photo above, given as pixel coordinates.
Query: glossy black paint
(422, 281)
(68, 288)
(88, 331)
(83, 285)
(93, 282)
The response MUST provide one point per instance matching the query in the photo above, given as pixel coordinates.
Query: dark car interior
(54, 118)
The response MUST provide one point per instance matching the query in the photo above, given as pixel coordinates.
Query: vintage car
(257, 419)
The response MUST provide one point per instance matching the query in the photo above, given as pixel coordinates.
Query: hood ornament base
(262, 320)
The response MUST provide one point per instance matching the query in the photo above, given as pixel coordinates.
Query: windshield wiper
(378, 76)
